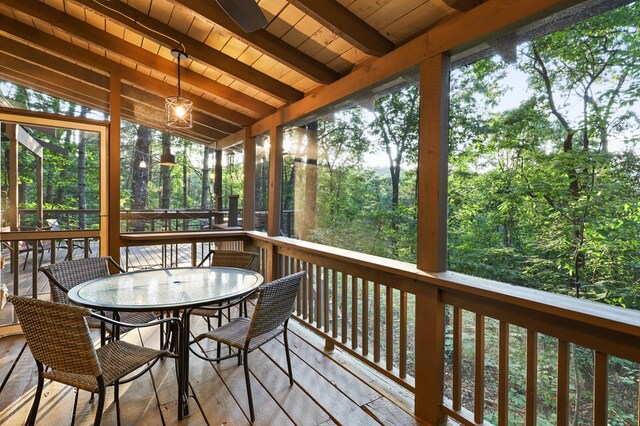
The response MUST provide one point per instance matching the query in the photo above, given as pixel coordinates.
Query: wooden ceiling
(69, 48)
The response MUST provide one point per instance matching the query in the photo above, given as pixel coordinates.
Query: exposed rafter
(69, 50)
(93, 35)
(343, 22)
(132, 18)
(262, 40)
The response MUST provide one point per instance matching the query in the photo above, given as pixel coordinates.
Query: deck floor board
(326, 390)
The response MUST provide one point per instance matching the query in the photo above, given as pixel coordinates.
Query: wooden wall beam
(432, 164)
(343, 22)
(263, 41)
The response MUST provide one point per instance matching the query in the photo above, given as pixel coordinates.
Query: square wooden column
(112, 246)
(432, 236)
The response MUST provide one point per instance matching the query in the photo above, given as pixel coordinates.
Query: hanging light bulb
(178, 109)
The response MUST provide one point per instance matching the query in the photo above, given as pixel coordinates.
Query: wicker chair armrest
(234, 302)
(115, 264)
(103, 318)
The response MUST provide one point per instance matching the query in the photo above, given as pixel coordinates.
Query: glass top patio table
(165, 289)
(173, 289)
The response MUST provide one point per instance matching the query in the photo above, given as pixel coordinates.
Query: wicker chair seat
(117, 359)
(204, 312)
(234, 334)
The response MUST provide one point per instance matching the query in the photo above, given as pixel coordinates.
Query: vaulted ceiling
(69, 48)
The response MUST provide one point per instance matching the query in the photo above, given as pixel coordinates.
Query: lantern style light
(178, 108)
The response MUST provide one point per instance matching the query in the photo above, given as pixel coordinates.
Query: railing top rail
(46, 235)
(179, 237)
(626, 321)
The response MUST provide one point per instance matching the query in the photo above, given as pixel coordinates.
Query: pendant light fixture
(167, 158)
(178, 109)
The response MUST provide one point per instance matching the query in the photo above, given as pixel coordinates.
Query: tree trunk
(206, 175)
(165, 174)
(140, 175)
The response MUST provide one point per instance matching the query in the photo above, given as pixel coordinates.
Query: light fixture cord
(179, 55)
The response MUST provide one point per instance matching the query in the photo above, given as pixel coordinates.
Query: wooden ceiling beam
(347, 25)
(139, 103)
(153, 121)
(153, 29)
(261, 40)
(72, 52)
(93, 35)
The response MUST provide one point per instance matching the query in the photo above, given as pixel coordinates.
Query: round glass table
(174, 289)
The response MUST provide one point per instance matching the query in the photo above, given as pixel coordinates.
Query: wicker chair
(59, 339)
(63, 276)
(270, 319)
(230, 258)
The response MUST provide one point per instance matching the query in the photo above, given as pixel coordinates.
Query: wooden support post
(249, 189)
(432, 164)
(113, 192)
(429, 365)
(272, 264)
(275, 182)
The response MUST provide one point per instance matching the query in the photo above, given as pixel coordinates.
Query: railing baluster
(319, 296)
(354, 312)
(296, 268)
(478, 405)
(325, 298)
(600, 389)
(305, 292)
(334, 302)
(376, 322)
(365, 317)
(344, 308)
(503, 375)
(389, 328)
(457, 358)
(532, 377)
(562, 408)
(403, 335)
(311, 293)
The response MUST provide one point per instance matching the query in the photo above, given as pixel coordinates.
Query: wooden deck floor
(327, 390)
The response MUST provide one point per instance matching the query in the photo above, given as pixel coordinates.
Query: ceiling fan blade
(246, 13)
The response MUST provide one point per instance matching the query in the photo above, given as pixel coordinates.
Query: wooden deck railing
(444, 336)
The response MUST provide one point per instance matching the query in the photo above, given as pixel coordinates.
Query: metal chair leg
(33, 413)
(101, 397)
(286, 348)
(116, 398)
(248, 380)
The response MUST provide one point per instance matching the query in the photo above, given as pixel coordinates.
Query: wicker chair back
(274, 305)
(57, 335)
(233, 258)
(70, 273)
